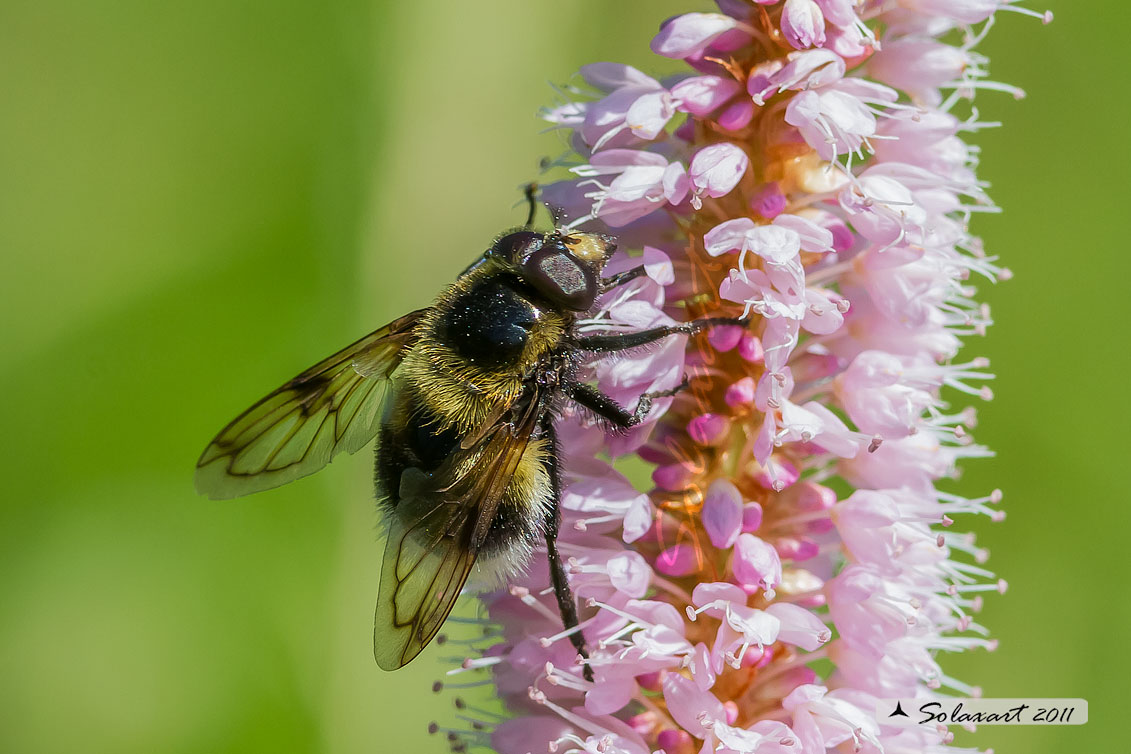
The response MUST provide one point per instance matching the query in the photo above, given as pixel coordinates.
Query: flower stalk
(794, 559)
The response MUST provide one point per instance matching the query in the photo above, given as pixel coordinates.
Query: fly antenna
(530, 191)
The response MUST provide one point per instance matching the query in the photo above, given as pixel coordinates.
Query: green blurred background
(197, 200)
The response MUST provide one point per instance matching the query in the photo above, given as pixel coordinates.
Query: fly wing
(299, 428)
(435, 533)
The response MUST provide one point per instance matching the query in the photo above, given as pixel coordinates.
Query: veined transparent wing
(332, 407)
(435, 533)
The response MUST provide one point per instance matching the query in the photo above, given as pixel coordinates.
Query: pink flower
(635, 107)
(803, 24)
(700, 95)
(686, 35)
(785, 178)
(641, 182)
(838, 118)
(715, 171)
(919, 66)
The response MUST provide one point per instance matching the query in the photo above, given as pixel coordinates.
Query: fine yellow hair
(457, 391)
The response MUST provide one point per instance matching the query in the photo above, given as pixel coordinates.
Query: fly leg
(624, 341)
(619, 279)
(611, 411)
(558, 578)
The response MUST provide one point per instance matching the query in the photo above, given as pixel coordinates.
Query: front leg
(608, 409)
(623, 341)
(619, 279)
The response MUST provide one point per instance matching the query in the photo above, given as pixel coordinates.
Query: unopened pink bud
(725, 338)
(673, 477)
(768, 201)
(751, 517)
(708, 429)
(741, 393)
(751, 349)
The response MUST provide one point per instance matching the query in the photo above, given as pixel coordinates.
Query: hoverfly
(461, 397)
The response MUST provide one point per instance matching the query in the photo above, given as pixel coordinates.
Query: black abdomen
(413, 475)
(490, 323)
(412, 440)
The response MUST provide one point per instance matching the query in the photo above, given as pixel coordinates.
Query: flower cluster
(794, 560)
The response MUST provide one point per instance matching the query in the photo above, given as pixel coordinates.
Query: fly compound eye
(561, 277)
(514, 247)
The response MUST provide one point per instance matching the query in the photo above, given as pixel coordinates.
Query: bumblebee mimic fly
(461, 398)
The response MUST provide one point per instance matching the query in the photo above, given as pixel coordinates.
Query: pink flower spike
(819, 184)
(691, 33)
